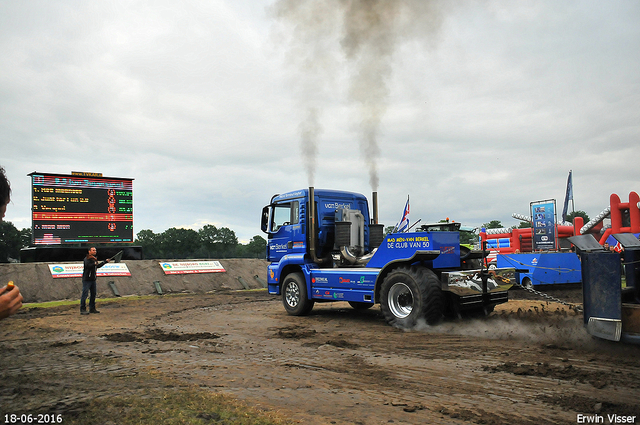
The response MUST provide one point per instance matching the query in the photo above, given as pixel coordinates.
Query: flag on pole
(568, 197)
(403, 226)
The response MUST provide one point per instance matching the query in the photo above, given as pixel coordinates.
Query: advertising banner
(185, 267)
(75, 270)
(544, 225)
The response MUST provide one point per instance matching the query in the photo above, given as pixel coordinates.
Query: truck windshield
(284, 215)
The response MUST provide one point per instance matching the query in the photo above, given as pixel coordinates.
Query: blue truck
(323, 246)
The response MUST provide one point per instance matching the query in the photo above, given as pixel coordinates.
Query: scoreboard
(81, 208)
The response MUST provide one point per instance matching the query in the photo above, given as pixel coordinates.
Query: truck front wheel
(409, 294)
(294, 295)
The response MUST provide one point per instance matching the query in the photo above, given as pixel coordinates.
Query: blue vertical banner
(568, 197)
(544, 225)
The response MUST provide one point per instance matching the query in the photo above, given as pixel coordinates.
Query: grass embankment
(49, 304)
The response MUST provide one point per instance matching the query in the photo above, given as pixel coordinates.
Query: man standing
(10, 296)
(89, 275)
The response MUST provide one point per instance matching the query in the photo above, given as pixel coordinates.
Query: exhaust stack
(374, 197)
(376, 230)
(313, 228)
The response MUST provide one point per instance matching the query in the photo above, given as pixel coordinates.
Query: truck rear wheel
(409, 294)
(294, 295)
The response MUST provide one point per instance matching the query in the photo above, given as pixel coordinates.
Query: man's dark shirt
(90, 269)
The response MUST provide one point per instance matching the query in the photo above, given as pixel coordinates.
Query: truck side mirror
(264, 225)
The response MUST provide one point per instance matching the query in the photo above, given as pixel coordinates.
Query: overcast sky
(474, 109)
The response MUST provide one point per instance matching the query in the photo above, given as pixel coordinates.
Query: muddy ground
(530, 362)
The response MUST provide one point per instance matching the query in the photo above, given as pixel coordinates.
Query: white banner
(75, 270)
(185, 267)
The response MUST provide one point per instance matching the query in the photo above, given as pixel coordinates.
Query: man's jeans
(88, 286)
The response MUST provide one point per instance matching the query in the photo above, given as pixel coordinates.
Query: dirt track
(530, 362)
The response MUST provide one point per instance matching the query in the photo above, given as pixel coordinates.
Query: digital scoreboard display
(81, 208)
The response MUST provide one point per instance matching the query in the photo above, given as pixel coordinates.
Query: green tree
(150, 243)
(10, 242)
(26, 237)
(524, 225)
(578, 213)
(469, 238)
(257, 247)
(493, 224)
(209, 238)
(228, 242)
(218, 242)
(180, 243)
(389, 229)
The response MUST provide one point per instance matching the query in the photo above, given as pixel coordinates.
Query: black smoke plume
(328, 38)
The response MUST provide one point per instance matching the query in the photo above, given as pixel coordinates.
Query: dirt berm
(37, 284)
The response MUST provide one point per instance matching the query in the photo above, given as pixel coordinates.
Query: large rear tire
(409, 294)
(294, 295)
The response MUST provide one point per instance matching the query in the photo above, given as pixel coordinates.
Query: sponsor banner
(75, 270)
(185, 267)
(544, 225)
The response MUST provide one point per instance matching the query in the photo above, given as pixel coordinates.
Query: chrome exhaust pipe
(354, 260)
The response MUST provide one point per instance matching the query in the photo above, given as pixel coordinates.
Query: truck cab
(286, 222)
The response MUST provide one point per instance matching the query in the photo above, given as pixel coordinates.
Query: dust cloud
(558, 331)
(356, 40)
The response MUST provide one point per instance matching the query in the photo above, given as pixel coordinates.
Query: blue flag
(568, 196)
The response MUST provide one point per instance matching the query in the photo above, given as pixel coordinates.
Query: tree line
(208, 242)
(12, 241)
(174, 243)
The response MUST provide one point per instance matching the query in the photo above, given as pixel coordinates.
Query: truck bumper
(469, 302)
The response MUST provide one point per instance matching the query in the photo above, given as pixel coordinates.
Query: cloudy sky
(474, 109)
